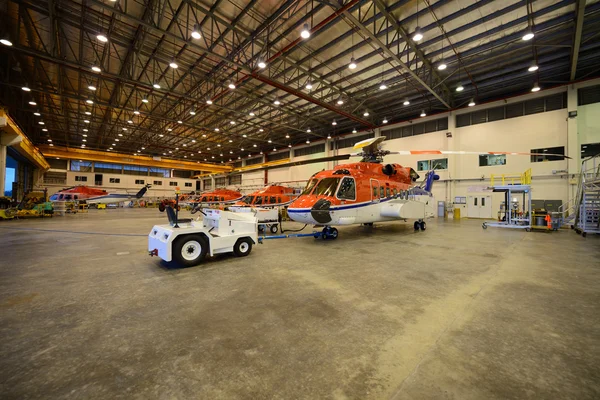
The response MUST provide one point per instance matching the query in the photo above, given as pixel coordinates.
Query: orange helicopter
(212, 198)
(272, 195)
(367, 191)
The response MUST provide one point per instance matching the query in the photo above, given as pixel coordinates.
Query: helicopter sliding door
(375, 188)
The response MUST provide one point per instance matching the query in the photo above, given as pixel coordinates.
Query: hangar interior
(413, 129)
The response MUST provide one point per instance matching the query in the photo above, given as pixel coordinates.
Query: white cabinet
(479, 206)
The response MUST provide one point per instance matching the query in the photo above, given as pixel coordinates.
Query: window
(203, 199)
(423, 165)
(375, 194)
(177, 173)
(550, 150)
(588, 95)
(326, 187)
(395, 191)
(590, 149)
(381, 192)
(158, 183)
(80, 178)
(207, 184)
(188, 184)
(426, 165)
(57, 164)
(135, 170)
(347, 190)
(161, 172)
(305, 151)
(253, 161)
(486, 160)
(248, 199)
(108, 168)
(258, 200)
(237, 164)
(219, 182)
(235, 179)
(139, 182)
(387, 192)
(309, 186)
(273, 200)
(81, 166)
(174, 183)
(279, 156)
(115, 180)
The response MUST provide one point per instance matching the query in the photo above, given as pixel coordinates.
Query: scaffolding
(514, 186)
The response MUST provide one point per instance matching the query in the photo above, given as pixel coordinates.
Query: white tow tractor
(268, 218)
(187, 241)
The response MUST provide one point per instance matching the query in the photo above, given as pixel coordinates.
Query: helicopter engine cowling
(321, 211)
(389, 169)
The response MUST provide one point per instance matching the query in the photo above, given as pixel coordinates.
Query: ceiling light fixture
(33, 103)
(89, 101)
(5, 41)
(26, 88)
(366, 113)
(87, 121)
(460, 87)
(528, 35)
(382, 86)
(102, 38)
(92, 87)
(156, 86)
(252, 114)
(136, 112)
(180, 122)
(208, 101)
(442, 66)
(308, 130)
(309, 85)
(340, 101)
(287, 136)
(232, 122)
(129, 121)
(262, 64)
(334, 123)
(37, 114)
(88, 113)
(406, 102)
(532, 68)
(423, 113)
(96, 68)
(144, 100)
(45, 130)
(307, 141)
(216, 129)
(418, 35)
(385, 121)
(354, 130)
(173, 64)
(352, 64)
(231, 85)
(535, 88)
(192, 112)
(305, 34)
(277, 102)
(196, 31)
(471, 103)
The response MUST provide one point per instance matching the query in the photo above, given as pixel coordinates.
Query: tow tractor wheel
(273, 228)
(417, 225)
(333, 233)
(422, 225)
(190, 250)
(242, 247)
(161, 207)
(261, 228)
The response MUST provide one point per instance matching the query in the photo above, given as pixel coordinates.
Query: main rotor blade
(304, 162)
(457, 152)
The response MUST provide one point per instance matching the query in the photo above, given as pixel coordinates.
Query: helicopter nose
(320, 211)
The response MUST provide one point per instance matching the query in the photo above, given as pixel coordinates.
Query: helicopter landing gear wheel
(416, 226)
(422, 225)
(329, 233)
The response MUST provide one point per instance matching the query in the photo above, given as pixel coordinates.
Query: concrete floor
(454, 312)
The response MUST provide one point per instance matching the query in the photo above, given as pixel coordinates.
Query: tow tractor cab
(359, 193)
(188, 241)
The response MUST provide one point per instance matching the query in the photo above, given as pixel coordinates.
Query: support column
(2, 168)
(573, 150)
(453, 159)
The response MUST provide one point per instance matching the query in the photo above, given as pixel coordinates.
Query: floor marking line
(75, 232)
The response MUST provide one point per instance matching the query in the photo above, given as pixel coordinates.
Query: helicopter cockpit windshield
(309, 187)
(326, 187)
(248, 199)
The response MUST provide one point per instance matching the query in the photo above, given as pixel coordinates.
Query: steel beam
(580, 13)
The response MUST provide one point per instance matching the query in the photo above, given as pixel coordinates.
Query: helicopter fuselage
(362, 192)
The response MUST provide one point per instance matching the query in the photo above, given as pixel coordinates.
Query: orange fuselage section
(219, 195)
(270, 195)
(355, 183)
